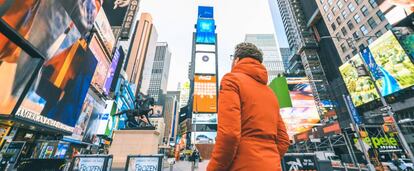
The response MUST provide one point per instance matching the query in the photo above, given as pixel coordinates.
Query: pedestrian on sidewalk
(251, 134)
(195, 158)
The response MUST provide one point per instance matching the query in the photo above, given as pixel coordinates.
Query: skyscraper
(171, 115)
(271, 54)
(158, 75)
(361, 20)
(285, 54)
(142, 45)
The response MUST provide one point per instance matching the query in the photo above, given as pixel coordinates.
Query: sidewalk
(186, 166)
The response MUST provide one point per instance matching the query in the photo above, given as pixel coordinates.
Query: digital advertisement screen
(389, 64)
(205, 12)
(15, 75)
(101, 72)
(31, 18)
(303, 114)
(93, 124)
(104, 31)
(104, 117)
(204, 118)
(205, 63)
(203, 137)
(205, 94)
(116, 11)
(205, 48)
(84, 117)
(205, 127)
(83, 13)
(116, 60)
(359, 84)
(205, 33)
(407, 40)
(61, 86)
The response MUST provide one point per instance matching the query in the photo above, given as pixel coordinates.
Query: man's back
(251, 133)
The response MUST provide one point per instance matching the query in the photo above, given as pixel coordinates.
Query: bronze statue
(142, 107)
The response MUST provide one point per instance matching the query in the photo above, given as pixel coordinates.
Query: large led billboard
(94, 121)
(303, 114)
(389, 64)
(15, 74)
(101, 73)
(204, 118)
(205, 31)
(359, 84)
(205, 63)
(205, 94)
(104, 31)
(114, 70)
(61, 86)
(115, 10)
(203, 137)
(82, 123)
(205, 12)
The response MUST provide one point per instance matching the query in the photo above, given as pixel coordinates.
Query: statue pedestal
(132, 142)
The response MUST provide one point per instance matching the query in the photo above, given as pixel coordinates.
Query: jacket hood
(252, 68)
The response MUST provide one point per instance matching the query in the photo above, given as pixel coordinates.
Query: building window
(347, 57)
(351, 7)
(372, 23)
(330, 17)
(388, 26)
(378, 33)
(364, 30)
(344, 32)
(343, 47)
(361, 46)
(325, 7)
(330, 2)
(354, 52)
(355, 35)
(373, 3)
(344, 13)
(357, 18)
(333, 26)
(337, 37)
(380, 15)
(358, 1)
(334, 10)
(340, 5)
(364, 10)
(339, 20)
(370, 40)
(350, 25)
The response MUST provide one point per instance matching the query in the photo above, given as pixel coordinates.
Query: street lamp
(386, 108)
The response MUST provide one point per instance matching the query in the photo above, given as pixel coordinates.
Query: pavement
(186, 166)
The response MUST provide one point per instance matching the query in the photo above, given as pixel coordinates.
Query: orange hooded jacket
(251, 134)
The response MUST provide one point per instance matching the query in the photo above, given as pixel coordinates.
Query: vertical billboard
(104, 31)
(82, 123)
(104, 117)
(205, 31)
(205, 63)
(303, 114)
(90, 135)
(205, 94)
(61, 86)
(115, 10)
(389, 64)
(98, 80)
(359, 84)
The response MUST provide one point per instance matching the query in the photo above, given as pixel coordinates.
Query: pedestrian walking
(196, 158)
(251, 134)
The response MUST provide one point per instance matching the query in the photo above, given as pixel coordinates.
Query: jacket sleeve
(283, 141)
(229, 126)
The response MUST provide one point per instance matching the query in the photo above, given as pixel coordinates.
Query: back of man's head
(248, 50)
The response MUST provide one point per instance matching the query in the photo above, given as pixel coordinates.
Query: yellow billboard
(205, 94)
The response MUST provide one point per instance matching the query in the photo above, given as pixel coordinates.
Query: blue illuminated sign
(206, 31)
(205, 12)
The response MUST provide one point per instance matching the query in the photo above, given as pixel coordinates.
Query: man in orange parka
(251, 134)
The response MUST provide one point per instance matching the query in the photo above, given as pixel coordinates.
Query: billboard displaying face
(359, 84)
(205, 63)
(204, 118)
(303, 113)
(389, 64)
(104, 31)
(203, 137)
(205, 33)
(61, 86)
(101, 72)
(205, 94)
(84, 117)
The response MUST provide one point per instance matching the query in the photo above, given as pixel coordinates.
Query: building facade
(360, 20)
(171, 115)
(140, 45)
(285, 54)
(272, 59)
(158, 75)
